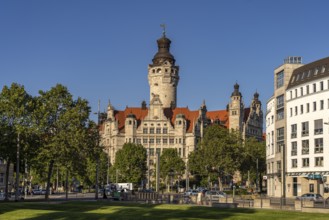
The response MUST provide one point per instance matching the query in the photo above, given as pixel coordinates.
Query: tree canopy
(130, 163)
(170, 161)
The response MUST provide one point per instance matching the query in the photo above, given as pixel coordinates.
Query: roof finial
(164, 29)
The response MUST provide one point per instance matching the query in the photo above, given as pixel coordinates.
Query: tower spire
(164, 29)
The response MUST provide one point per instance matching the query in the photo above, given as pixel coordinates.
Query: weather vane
(164, 29)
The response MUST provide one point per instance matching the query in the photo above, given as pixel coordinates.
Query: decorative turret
(254, 122)
(236, 110)
(110, 111)
(256, 104)
(236, 90)
(163, 74)
(203, 110)
(143, 105)
(180, 122)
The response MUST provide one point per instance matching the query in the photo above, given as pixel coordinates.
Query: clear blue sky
(101, 49)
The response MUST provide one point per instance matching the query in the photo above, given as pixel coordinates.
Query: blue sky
(101, 50)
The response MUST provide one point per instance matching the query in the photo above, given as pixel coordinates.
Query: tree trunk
(260, 182)
(7, 179)
(67, 184)
(50, 171)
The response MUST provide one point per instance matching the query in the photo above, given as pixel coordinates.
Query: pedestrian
(198, 199)
(104, 194)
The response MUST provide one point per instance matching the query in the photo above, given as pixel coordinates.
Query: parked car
(2, 196)
(10, 197)
(191, 192)
(214, 195)
(38, 192)
(312, 197)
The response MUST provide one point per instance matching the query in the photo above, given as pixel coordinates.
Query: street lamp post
(257, 175)
(283, 177)
(108, 166)
(171, 173)
(17, 167)
(97, 159)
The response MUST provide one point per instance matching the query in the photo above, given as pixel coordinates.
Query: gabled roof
(221, 115)
(190, 116)
(121, 116)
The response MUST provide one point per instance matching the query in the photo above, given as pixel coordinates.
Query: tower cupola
(236, 90)
(163, 53)
(163, 74)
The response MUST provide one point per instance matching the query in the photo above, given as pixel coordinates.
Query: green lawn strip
(122, 210)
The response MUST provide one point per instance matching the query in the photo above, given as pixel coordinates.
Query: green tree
(130, 163)
(254, 151)
(95, 154)
(15, 107)
(171, 165)
(219, 154)
(61, 124)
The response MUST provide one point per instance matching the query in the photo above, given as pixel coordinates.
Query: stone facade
(164, 125)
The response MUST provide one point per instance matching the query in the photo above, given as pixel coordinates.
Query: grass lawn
(116, 210)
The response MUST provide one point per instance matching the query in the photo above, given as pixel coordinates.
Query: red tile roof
(190, 116)
(121, 116)
(221, 115)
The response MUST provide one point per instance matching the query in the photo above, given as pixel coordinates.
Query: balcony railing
(318, 131)
(293, 152)
(318, 149)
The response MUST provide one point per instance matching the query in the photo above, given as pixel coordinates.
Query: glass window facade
(280, 79)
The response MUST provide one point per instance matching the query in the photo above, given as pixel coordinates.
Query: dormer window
(309, 73)
(316, 71)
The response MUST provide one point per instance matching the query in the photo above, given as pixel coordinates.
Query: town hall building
(162, 124)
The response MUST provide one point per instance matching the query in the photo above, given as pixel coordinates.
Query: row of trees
(51, 129)
(221, 154)
(54, 130)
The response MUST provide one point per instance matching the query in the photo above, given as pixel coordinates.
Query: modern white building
(307, 98)
(276, 162)
(298, 163)
(272, 182)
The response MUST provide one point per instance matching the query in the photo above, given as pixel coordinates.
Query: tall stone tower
(236, 110)
(163, 74)
(256, 106)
